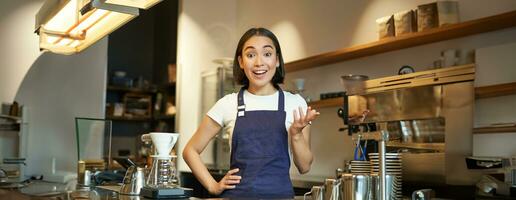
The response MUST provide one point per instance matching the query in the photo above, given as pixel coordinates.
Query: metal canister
(356, 186)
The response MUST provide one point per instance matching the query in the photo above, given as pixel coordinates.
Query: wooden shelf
(10, 117)
(480, 92)
(486, 130)
(333, 102)
(127, 89)
(495, 90)
(482, 25)
(428, 146)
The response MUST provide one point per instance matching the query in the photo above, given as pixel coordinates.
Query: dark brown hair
(238, 73)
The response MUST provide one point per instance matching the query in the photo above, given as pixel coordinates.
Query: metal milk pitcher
(134, 180)
(316, 193)
(332, 189)
(356, 186)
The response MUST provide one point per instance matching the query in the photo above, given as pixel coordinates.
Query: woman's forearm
(193, 159)
(301, 153)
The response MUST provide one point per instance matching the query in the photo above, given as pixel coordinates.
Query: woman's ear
(240, 64)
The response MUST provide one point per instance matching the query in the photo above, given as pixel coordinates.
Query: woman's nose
(258, 62)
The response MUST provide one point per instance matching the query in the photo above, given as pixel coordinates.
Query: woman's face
(259, 60)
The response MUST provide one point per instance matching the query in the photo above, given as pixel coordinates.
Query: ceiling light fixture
(70, 26)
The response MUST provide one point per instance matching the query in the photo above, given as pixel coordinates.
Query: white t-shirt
(224, 112)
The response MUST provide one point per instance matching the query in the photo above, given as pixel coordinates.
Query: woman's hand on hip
(301, 120)
(229, 181)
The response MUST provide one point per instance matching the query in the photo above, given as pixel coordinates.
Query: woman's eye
(268, 54)
(250, 55)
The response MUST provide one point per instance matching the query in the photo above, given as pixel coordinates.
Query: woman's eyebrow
(248, 47)
(267, 45)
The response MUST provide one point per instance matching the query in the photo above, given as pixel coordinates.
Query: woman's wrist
(295, 133)
(213, 187)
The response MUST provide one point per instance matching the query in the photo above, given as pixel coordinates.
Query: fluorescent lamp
(143, 4)
(70, 26)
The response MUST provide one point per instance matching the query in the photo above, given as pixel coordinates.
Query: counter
(39, 190)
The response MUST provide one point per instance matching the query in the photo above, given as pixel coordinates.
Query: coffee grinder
(161, 181)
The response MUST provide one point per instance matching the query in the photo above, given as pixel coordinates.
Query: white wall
(306, 27)
(55, 88)
(17, 19)
(206, 31)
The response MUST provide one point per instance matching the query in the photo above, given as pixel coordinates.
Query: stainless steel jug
(134, 181)
(316, 193)
(393, 187)
(332, 189)
(356, 186)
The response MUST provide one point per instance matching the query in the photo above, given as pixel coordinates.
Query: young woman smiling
(267, 126)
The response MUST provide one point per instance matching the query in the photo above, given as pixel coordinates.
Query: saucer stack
(393, 168)
(360, 167)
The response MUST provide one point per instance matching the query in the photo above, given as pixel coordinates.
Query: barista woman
(267, 125)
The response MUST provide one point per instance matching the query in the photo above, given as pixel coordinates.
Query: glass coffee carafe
(162, 172)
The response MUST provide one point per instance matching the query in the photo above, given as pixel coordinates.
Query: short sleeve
(300, 101)
(217, 111)
(294, 102)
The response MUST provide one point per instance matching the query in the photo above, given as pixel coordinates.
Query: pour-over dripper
(161, 181)
(163, 142)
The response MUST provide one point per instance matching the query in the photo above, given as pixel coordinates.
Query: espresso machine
(161, 182)
(428, 116)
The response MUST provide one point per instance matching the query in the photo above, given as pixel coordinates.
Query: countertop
(40, 190)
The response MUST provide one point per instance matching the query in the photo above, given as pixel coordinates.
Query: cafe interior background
(54, 89)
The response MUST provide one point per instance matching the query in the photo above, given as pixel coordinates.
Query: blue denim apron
(260, 151)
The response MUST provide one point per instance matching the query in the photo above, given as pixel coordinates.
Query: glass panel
(143, 4)
(93, 139)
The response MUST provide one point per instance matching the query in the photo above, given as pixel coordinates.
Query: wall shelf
(480, 92)
(482, 25)
(486, 130)
(326, 103)
(495, 90)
